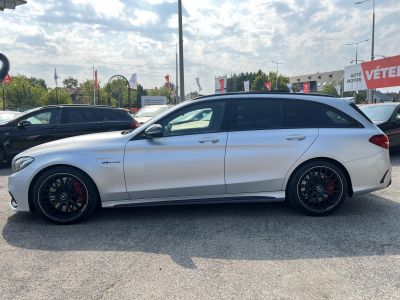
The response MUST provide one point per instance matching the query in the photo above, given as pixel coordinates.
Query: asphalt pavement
(241, 251)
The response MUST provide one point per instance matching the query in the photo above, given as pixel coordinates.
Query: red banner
(222, 85)
(306, 87)
(382, 73)
(268, 85)
(7, 79)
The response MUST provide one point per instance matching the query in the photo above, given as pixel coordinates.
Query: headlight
(21, 163)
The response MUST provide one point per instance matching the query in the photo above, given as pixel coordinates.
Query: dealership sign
(374, 74)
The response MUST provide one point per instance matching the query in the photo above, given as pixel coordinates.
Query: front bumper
(18, 187)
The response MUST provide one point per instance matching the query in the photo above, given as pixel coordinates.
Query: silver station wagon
(312, 150)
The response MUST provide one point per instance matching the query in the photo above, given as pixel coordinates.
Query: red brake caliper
(77, 186)
(330, 188)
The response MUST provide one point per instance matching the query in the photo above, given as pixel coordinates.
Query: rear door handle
(296, 138)
(209, 140)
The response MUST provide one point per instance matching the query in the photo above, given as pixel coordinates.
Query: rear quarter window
(310, 114)
(105, 115)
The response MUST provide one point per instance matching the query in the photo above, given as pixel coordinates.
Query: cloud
(220, 37)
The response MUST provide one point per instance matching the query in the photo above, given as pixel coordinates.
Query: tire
(5, 67)
(64, 195)
(317, 188)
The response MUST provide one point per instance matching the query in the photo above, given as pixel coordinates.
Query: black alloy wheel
(64, 196)
(318, 188)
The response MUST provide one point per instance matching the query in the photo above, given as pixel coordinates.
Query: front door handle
(296, 138)
(209, 140)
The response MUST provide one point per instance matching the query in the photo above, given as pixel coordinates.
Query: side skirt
(246, 198)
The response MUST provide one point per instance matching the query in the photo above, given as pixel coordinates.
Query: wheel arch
(330, 160)
(35, 178)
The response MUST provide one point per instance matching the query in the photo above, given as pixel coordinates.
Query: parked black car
(387, 117)
(49, 123)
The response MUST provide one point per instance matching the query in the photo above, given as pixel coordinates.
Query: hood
(81, 142)
(142, 120)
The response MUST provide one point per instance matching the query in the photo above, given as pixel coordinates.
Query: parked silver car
(146, 113)
(312, 150)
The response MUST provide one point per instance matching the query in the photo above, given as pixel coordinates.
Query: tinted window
(196, 119)
(258, 114)
(111, 115)
(81, 115)
(45, 117)
(309, 114)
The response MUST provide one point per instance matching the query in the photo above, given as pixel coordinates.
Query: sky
(220, 37)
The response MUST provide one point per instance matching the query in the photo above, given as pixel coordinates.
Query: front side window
(310, 114)
(204, 118)
(45, 118)
(258, 114)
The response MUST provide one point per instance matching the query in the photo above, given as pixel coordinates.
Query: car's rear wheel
(64, 195)
(317, 188)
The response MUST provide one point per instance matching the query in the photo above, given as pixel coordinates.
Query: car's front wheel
(64, 195)
(317, 188)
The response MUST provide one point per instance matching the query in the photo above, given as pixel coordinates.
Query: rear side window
(254, 114)
(310, 114)
(104, 115)
(355, 107)
(80, 115)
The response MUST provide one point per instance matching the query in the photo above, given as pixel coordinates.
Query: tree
(330, 89)
(22, 93)
(70, 83)
(38, 82)
(57, 96)
(259, 81)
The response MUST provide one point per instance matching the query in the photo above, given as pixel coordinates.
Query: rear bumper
(371, 173)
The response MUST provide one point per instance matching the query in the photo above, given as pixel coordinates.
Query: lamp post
(277, 71)
(177, 74)
(181, 68)
(357, 43)
(371, 94)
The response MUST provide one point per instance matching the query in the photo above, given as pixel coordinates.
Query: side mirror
(23, 124)
(154, 131)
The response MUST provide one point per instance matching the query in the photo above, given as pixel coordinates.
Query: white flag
(198, 83)
(133, 81)
(289, 86)
(247, 86)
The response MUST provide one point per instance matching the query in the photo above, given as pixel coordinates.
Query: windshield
(378, 113)
(150, 111)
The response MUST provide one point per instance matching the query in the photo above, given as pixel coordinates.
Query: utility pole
(181, 68)
(371, 92)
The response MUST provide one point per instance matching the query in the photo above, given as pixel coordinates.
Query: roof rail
(76, 105)
(264, 93)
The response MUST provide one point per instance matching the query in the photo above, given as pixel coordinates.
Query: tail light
(135, 124)
(380, 140)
